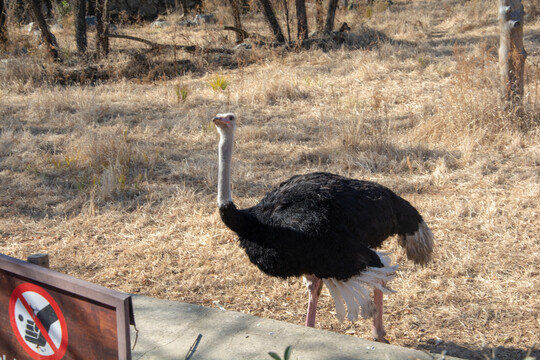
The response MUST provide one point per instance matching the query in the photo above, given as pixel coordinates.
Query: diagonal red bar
(38, 323)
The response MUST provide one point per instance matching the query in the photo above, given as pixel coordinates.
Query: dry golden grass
(117, 181)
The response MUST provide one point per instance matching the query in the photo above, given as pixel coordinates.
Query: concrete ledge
(173, 330)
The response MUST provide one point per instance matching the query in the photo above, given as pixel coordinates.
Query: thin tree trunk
(301, 18)
(91, 8)
(3, 28)
(80, 26)
(286, 7)
(235, 6)
(271, 18)
(102, 28)
(319, 14)
(512, 54)
(22, 14)
(183, 7)
(330, 16)
(48, 6)
(35, 9)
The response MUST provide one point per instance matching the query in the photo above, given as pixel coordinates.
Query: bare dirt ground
(116, 180)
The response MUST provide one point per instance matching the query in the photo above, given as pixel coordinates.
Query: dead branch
(242, 32)
(187, 48)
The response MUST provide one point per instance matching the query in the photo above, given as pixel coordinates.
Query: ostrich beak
(219, 121)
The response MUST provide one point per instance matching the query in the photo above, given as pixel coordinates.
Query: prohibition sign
(37, 322)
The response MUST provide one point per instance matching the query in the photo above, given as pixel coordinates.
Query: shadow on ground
(488, 353)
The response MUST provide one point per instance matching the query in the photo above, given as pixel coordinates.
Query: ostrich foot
(381, 340)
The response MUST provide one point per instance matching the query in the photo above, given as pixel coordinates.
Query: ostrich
(324, 227)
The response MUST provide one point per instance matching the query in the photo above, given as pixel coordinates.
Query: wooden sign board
(48, 315)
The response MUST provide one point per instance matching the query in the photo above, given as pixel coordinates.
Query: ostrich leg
(377, 330)
(314, 285)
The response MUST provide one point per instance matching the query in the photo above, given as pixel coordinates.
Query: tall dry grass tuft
(102, 166)
(472, 107)
(21, 74)
(363, 133)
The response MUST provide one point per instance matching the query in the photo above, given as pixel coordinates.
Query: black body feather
(321, 224)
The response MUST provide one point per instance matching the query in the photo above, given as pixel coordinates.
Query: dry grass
(117, 181)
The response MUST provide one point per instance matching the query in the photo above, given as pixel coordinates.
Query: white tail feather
(338, 299)
(374, 284)
(355, 292)
(350, 300)
(385, 259)
(363, 296)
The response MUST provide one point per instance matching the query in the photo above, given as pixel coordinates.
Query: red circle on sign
(17, 294)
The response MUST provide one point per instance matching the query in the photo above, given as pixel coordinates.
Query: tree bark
(330, 16)
(271, 18)
(91, 8)
(301, 18)
(48, 6)
(102, 28)
(80, 26)
(3, 28)
(286, 7)
(35, 9)
(235, 6)
(512, 54)
(319, 14)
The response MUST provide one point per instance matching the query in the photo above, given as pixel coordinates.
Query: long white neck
(224, 169)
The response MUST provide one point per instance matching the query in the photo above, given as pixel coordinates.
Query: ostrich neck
(224, 170)
(237, 220)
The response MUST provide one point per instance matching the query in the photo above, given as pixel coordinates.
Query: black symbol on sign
(33, 335)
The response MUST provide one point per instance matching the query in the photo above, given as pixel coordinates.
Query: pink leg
(377, 330)
(314, 285)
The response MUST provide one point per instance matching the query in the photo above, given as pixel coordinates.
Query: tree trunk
(319, 14)
(301, 18)
(330, 16)
(102, 28)
(271, 18)
(183, 7)
(91, 8)
(286, 7)
(35, 9)
(512, 54)
(3, 28)
(80, 26)
(235, 6)
(48, 6)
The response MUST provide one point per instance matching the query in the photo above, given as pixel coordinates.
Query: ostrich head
(226, 125)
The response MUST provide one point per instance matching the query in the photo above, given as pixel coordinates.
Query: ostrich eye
(230, 118)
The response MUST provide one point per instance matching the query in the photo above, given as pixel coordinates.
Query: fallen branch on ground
(188, 48)
(304, 43)
(243, 32)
